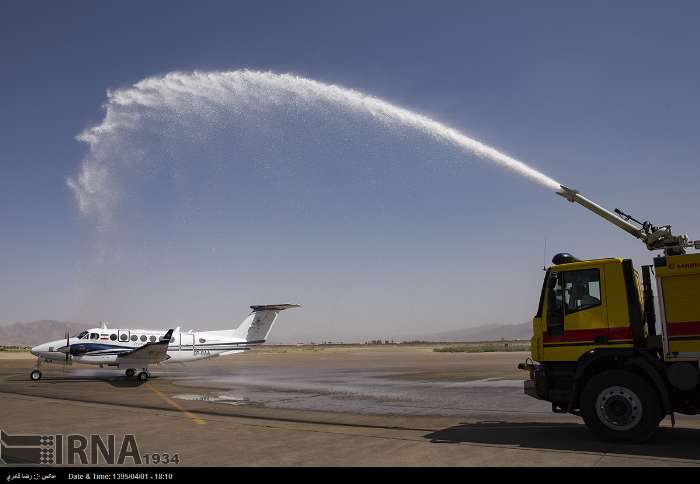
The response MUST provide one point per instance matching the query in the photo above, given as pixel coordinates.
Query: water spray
(179, 94)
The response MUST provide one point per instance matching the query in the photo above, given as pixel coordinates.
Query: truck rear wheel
(620, 406)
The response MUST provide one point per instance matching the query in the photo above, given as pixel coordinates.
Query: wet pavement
(342, 390)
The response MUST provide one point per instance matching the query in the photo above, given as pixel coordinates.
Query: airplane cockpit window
(83, 335)
(94, 336)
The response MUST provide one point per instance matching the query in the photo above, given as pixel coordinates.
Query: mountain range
(486, 332)
(33, 333)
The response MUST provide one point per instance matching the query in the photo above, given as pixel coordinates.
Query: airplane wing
(148, 354)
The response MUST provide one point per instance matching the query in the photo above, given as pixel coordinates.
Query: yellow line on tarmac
(167, 399)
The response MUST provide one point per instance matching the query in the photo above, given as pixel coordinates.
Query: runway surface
(376, 406)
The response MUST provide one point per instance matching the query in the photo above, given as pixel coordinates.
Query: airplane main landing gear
(142, 376)
(130, 372)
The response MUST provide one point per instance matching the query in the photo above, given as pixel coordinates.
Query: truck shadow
(679, 443)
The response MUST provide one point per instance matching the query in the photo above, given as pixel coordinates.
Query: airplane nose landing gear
(35, 375)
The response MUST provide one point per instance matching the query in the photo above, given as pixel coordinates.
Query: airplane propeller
(66, 350)
(68, 356)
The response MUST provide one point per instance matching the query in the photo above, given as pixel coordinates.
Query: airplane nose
(39, 349)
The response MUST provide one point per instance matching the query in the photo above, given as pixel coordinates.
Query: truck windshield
(555, 313)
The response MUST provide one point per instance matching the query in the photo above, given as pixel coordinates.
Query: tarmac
(388, 405)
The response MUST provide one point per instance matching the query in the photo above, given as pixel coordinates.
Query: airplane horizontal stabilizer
(274, 307)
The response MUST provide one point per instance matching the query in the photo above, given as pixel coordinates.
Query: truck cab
(601, 354)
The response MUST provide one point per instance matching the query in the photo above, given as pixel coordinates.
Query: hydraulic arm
(655, 238)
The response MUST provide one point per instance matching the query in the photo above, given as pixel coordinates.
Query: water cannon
(655, 238)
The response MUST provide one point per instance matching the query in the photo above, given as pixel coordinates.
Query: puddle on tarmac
(221, 398)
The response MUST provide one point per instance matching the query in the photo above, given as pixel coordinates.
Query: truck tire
(620, 406)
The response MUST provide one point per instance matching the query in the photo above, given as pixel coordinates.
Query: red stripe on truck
(679, 328)
(590, 334)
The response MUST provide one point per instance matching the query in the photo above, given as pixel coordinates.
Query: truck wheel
(620, 406)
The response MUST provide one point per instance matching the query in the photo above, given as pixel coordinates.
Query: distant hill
(487, 332)
(33, 333)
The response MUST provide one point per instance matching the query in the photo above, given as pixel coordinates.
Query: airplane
(140, 348)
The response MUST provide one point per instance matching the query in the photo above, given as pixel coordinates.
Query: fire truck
(604, 349)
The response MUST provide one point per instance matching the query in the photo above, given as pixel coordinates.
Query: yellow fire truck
(598, 350)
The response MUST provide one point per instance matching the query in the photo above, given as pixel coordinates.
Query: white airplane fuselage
(99, 346)
(131, 348)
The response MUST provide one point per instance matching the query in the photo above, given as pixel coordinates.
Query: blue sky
(375, 233)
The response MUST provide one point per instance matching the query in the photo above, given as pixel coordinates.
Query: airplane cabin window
(143, 337)
(202, 340)
(113, 337)
(124, 337)
(152, 339)
(134, 337)
(94, 336)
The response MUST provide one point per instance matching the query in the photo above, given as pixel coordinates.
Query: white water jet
(208, 93)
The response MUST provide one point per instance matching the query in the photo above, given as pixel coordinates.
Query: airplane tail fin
(256, 327)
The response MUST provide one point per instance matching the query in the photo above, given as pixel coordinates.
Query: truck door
(583, 302)
(576, 315)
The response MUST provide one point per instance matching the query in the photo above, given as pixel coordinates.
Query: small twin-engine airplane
(140, 348)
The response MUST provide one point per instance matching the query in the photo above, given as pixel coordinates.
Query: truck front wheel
(620, 406)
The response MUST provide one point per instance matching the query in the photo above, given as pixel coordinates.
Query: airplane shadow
(679, 443)
(117, 381)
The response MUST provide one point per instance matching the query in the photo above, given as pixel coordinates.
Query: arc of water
(201, 91)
